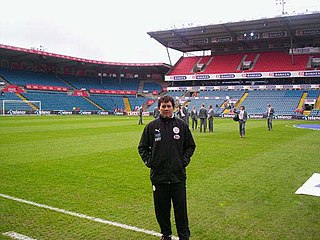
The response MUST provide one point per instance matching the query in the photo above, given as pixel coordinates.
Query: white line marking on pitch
(79, 215)
(18, 236)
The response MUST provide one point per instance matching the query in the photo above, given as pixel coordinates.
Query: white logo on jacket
(157, 135)
(177, 137)
(176, 130)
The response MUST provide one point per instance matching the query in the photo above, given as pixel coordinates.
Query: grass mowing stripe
(18, 236)
(79, 215)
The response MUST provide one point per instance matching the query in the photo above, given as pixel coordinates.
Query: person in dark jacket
(140, 115)
(156, 112)
(203, 115)
(194, 118)
(210, 118)
(183, 113)
(166, 146)
(270, 112)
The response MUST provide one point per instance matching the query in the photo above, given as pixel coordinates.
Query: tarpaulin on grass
(311, 186)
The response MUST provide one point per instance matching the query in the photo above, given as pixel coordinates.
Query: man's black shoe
(163, 237)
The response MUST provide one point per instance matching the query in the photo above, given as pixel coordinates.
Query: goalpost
(9, 106)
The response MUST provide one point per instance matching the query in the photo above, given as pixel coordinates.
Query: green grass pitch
(236, 188)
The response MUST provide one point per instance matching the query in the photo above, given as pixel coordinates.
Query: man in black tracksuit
(166, 147)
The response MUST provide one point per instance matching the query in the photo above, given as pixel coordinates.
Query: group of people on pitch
(205, 115)
(241, 116)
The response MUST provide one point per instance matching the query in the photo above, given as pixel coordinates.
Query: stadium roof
(40, 57)
(261, 34)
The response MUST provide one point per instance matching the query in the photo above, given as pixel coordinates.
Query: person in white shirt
(183, 113)
(243, 116)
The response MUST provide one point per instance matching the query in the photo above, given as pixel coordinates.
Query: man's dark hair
(165, 99)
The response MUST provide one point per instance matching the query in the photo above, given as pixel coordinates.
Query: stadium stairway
(240, 64)
(317, 104)
(127, 104)
(26, 101)
(301, 102)
(226, 110)
(238, 103)
(67, 83)
(93, 103)
(4, 80)
(140, 87)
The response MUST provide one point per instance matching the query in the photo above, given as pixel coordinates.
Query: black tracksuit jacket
(166, 147)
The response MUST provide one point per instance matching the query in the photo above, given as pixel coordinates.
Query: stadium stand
(283, 101)
(59, 101)
(313, 94)
(184, 65)
(21, 78)
(224, 63)
(151, 86)
(108, 102)
(231, 63)
(52, 100)
(102, 83)
(9, 96)
(280, 61)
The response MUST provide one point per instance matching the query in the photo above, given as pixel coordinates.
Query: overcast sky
(116, 31)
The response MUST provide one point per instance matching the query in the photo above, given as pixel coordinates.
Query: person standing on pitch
(210, 118)
(156, 112)
(203, 115)
(194, 118)
(166, 146)
(243, 116)
(270, 112)
(140, 115)
(183, 113)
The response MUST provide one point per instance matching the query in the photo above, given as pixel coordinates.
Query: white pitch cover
(311, 186)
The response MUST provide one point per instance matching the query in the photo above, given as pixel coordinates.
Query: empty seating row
(108, 102)
(21, 78)
(229, 63)
(283, 101)
(59, 101)
(151, 86)
(102, 83)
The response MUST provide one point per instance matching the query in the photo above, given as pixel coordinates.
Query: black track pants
(163, 194)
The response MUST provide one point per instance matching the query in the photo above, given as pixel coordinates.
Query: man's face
(166, 109)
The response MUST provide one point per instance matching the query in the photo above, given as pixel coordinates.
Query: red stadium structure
(280, 54)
